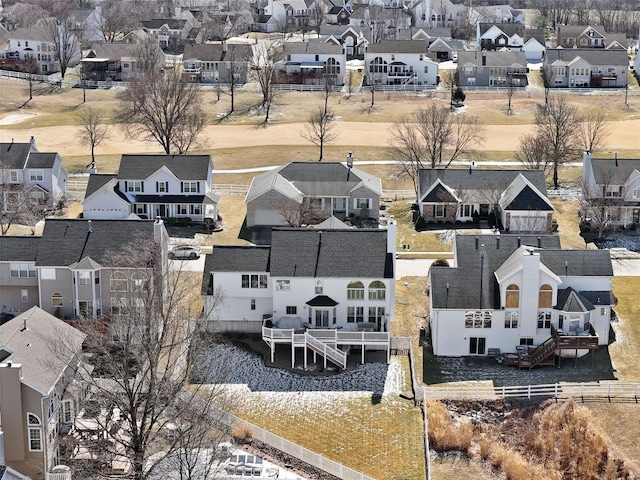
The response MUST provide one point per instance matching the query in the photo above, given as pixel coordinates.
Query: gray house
(216, 63)
(309, 63)
(586, 67)
(492, 68)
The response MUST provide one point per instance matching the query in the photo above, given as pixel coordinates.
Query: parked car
(184, 251)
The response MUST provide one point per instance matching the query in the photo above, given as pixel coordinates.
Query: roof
(66, 242)
(478, 179)
(227, 258)
(331, 223)
(330, 253)
(172, 23)
(398, 46)
(612, 172)
(36, 33)
(113, 51)
(593, 56)
(316, 47)
(494, 58)
(216, 52)
(570, 300)
(535, 33)
(322, 301)
(470, 286)
(575, 30)
(313, 179)
(510, 29)
(97, 181)
(522, 195)
(14, 155)
(18, 248)
(33, 348)
(41, 160)
(184, 167)
(439, 194)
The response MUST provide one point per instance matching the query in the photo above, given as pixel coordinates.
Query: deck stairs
(329, 351)
(540, 355)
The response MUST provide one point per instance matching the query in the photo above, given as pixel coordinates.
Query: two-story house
(151, 186)
(586, 67)
(18, 275)
(217, 63)
(400, 62)
(39, 356)
(25, 170)
(494, 36)
(501, 14)
(516, 198)
(33, 44)
(509, 293)
(333, 283)
(588, 36)
(312, 63)
(611, 190)
(353, 39)
(171, 33)
(494, 68)
(285, 195)
(83, 268)
(114, 62)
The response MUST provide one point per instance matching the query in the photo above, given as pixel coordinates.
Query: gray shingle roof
(509, 29)
(494, 58)
(34, 347)
(234, 259)
(317, 47)
(605, 170)
(478, 179)
(465, 283)
(172, 23)
(330, 253)
(527, 199)
(19, 248)
(41, 160)
(593, 56)
(398, 46)
(65, 242)
(184, 167)
(96, 181)
(14, 155)
(213, 52)
(113, 51)
(570, 300)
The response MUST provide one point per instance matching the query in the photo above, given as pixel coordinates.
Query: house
(288, 13)
(501, 14)
(312, 63)
(586, 67)
(509, 293)
(354, 40)
(443, 50)
(150, 186)
(494, 36)
(39, 356)
(18, 275)
(83, 268)
(517, 199)
(330, 283)
(400, 62)
(33, 44)
(492, 68)
(611, 189)
(423, 33)
(24, 169)
(301, 191)
(443, 13)
(588, 36)
(217, 62)
(534, 45)
(114, 62)
(171, 33)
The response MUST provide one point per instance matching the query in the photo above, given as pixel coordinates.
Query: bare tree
(266, 55)
(317, 15)
(93, 130)
(166, 109)
(146, 352)
(408, 150)
(148, 58)
(511, 89)
(297, 213)
(532, 152)
(235, 74)
(20, 202)
(22, 15)
(546, 85)
(320, 128)
(119, 17)
(598, 205)
(31, 69)
(559, 129)
(593, 131)
(66, 46)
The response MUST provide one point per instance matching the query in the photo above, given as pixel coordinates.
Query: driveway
(196, 265)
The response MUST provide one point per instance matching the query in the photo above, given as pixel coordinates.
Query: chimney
(484, 58)
(498, 243)
(539, 242)
(89, 227)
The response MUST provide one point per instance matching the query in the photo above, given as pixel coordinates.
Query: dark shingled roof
(593, 56)
(527, 199)
(478, 179)
(398, 46)
(322, 301)
(465, 281)
(234, 259)
(330, 253)
(65, 242)
(608, 171)
(439, 194)
(172, 23)
(494, 58)
(509, 29)
(324, 178)
(19, 248)
(570, 300)
(41, 160)
(96, 181)
(184, 167)
(14, 155)
(214, 52)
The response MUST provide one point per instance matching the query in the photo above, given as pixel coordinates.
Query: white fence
(595, 392)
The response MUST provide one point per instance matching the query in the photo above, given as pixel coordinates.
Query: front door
(322, 318)
(636, 215)
(477, 345)
(162, 210)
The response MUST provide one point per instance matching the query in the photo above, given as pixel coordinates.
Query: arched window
(355, 291)
(331, 66)
(34, 429)
(378, 65)
(513, 297)
(545, 296)
(377, 290)
(118, 282)
(56, 300)
(139, 281)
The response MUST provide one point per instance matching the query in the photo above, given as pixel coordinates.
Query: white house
(150, 186)
(33, 43)
(586, 67)
(329, 281)
(401, 62)
(310, 63)
(508, 293)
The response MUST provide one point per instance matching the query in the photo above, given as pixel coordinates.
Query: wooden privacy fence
(584, 392)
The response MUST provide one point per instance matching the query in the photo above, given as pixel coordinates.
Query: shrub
(492, 219)
(515, 467)
(441, 262)
(476, 217)
(585, 226)
(421, 224)
(242, 434)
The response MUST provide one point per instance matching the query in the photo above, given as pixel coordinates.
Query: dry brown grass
(241, 434)
(445, 433)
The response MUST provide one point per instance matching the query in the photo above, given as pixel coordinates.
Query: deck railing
(334, 355)
(283, 335)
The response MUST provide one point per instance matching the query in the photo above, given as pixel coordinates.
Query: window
(48, 273)
(377, 290)
(513, 297)
(376, 314)
(331, 66)
(254, 281)
(511, 320)
(85, 309)
(118, 282)
(84, 278)
(355, 291)
(253, 304)
(355, 314)
(378, 65)
(319, 288)
(36, 175)
(363, 203)
(139, 282)
(117, 305)
(22, 270)
(636, 193)
(545, 296)
(544, 320)
(13, 176)
(426, 69)
(195, 209)
(438, 211)
(283, 284)
(477, 319)
(162, 187)
(526, 341)
(466, 211)
(140, 208)
(292, 310)
(36, 197)
(135, 186)
(56, 300)
(181, 209)
(24, 295)
(190, 187)
(35, 432)
(67, 411)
